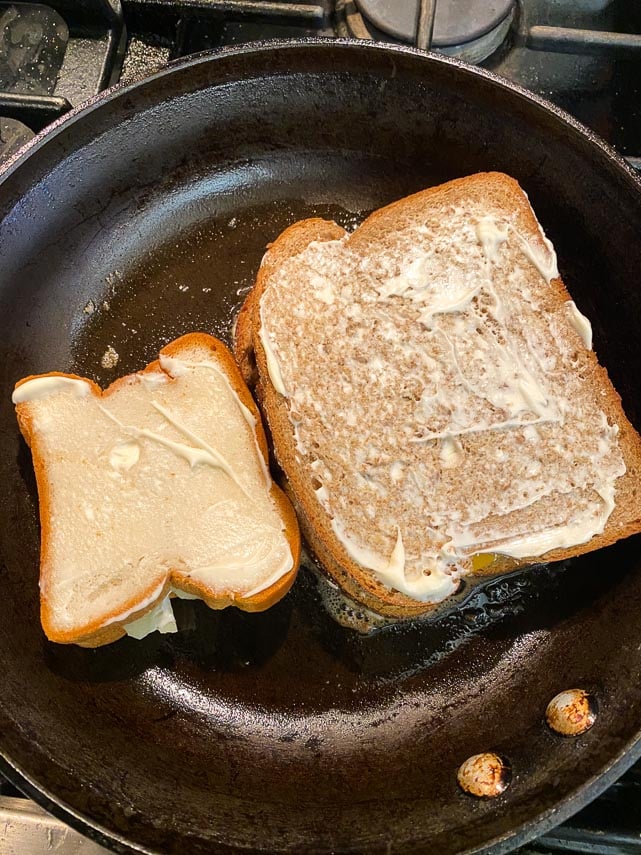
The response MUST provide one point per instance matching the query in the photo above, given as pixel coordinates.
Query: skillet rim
(268, 45)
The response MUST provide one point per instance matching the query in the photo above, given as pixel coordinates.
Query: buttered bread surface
(157, 487)
(433, 394)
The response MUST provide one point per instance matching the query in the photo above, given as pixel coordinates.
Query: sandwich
(154, 488)
(433, 398)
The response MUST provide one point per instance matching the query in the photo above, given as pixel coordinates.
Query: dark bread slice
(493, 192)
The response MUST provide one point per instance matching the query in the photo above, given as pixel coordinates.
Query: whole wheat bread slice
(156, 487)
(433, 398)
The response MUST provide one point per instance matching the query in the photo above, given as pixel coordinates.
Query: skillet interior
(280, 731)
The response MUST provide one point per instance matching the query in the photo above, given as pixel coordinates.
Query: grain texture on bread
(432, 396)
(156, 486)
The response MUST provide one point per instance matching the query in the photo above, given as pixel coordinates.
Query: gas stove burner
(469, 29)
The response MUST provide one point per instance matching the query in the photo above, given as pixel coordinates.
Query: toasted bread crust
(108, 628)
(360, 584)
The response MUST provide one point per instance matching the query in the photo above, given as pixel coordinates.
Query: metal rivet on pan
(484, 775)
(571, 713)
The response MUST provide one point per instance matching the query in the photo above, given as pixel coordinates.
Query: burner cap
(456, 22)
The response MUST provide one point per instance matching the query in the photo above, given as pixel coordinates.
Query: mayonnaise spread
(166, 477)
(435, 398)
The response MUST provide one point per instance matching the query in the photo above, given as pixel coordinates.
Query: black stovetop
(584, 55)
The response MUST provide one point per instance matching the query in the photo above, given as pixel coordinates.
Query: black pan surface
(144, 216)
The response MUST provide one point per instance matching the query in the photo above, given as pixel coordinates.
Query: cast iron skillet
(144, 216)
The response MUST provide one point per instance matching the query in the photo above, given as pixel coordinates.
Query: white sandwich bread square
(156, 487)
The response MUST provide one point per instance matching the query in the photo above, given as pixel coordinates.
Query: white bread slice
(156, 486)
(433, 398)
